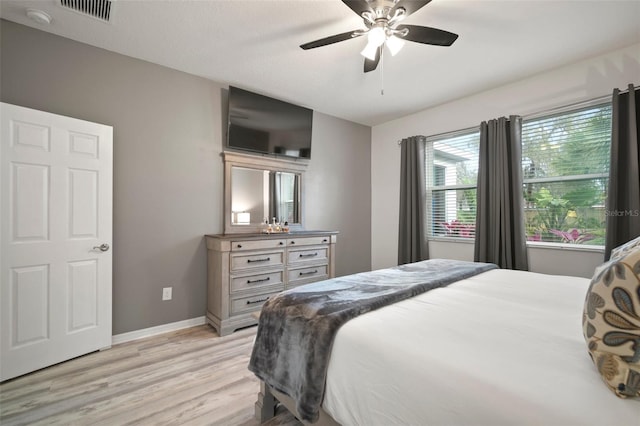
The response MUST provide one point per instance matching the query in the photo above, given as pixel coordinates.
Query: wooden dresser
(244, 270)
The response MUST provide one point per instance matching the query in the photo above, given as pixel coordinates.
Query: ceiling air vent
(99, 9)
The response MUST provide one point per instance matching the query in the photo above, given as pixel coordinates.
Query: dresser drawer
(255, 281)
(307, 275)
(243, 305)
(257, 244)
(315, 254)
(308, 241)
(264, 259)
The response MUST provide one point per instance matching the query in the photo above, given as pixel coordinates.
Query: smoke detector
(39, 16)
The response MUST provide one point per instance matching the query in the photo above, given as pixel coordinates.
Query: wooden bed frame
(268, 399)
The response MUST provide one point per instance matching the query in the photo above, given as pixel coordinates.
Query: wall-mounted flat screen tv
(262, 124)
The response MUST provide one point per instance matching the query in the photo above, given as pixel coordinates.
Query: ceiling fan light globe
(377, 36)
(370, 51)
(394, 44)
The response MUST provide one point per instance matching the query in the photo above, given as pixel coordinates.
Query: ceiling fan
(382, 19)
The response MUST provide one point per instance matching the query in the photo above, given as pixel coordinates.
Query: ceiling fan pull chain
(381, 70)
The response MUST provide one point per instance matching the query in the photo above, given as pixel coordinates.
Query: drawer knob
(309, 272)
(293, 242)
(260, 280)
(309, 254)
(324, 241)
(280, 243)
(253, 302)
(264, 259)
(239, 245)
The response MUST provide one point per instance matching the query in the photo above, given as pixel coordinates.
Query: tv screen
(262, 124)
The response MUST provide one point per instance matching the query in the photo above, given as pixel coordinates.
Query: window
(565, 164)
(451, 173)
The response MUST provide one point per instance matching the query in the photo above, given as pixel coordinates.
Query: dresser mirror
(262, 188)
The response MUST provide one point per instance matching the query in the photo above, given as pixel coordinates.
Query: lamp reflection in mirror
(242, 218)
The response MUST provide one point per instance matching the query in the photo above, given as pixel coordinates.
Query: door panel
(83, 199)
(56, 209)
(30, 136)
(82, 145)
(29, 216)
(83, 295)
(30, 290)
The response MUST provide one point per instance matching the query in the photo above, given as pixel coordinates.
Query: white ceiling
(255, 45)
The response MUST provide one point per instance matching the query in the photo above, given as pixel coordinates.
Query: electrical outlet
(166, 293)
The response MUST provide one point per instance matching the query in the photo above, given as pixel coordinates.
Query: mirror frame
(248, 161)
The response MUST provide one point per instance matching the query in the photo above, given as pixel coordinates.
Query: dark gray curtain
(296, 199)
(623, 199)
(500, 234)
(274, 196)
(412, 236)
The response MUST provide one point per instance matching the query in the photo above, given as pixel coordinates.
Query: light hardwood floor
(187, 377)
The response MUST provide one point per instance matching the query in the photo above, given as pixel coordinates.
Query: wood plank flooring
(187, 377)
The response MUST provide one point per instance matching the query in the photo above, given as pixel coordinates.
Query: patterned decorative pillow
(625, 248)
(611, 320)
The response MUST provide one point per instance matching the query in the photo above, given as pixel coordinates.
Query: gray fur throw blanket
(297, 327)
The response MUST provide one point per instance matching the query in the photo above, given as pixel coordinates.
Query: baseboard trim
(159, 329)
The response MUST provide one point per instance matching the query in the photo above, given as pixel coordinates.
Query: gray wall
(168, 173)
(338, 189)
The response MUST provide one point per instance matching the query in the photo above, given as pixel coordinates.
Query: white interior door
(56, 189)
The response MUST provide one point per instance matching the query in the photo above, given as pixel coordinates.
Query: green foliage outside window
(565, 168)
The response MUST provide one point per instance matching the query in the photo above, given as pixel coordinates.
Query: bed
(500, 347)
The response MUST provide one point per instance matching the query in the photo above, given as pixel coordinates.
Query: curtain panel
(500, 231)
(296, 199)
(623, 198)
(274, 196)
(412, 234)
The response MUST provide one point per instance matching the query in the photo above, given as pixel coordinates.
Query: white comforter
(502, 348)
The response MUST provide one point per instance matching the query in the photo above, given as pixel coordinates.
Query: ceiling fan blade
(358, 6)
(330, 40)
(428, 35)
(370, 65)
(411, 5)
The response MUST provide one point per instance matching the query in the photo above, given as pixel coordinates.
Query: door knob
(102, 247)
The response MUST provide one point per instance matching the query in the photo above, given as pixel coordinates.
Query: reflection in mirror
(259, 195)
(283, 197)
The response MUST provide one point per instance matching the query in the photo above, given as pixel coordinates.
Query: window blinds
(565, 166)
(452, 172)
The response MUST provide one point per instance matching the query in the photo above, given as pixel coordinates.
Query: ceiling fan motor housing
(382, 8)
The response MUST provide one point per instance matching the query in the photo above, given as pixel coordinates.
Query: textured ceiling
(255, 45)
